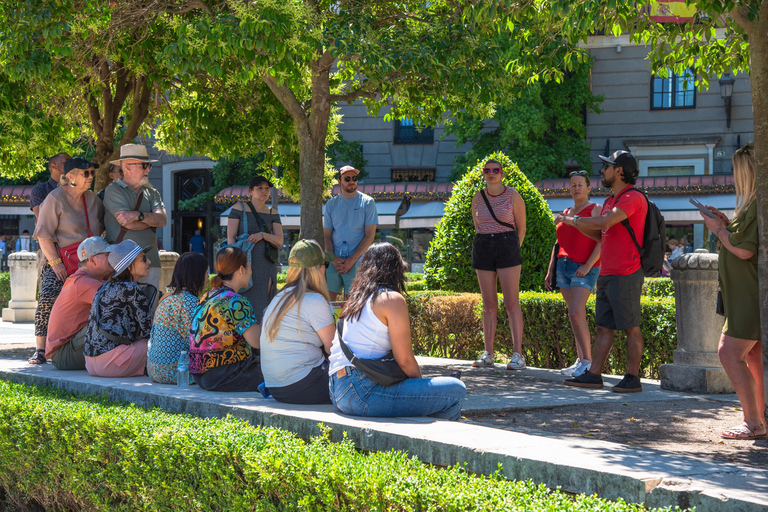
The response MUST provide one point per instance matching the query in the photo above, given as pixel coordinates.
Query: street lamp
(726, 92)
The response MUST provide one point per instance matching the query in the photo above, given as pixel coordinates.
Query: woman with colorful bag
(266, 234)
(69, 215)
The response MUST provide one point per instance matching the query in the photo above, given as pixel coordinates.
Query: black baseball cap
(77, 162)
(623, 159)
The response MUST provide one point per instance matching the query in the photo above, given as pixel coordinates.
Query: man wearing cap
(41, 190)
(69, 316)
(123, 218)
(349, 226)
(617, 306)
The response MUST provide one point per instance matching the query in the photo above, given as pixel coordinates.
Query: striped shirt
(503, 208)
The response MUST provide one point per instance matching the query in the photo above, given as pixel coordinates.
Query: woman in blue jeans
(375, 322)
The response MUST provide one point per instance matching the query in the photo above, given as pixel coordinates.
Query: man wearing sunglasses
(123, 219)
(349, 226)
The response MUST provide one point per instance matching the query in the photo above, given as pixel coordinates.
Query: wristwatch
(141, 216)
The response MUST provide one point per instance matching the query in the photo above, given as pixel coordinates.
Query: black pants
(312, 389)
(243, 376)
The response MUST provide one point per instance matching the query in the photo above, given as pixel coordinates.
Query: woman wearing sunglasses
(69, 215)
(578, 265)
(120, 319)
(498, 212)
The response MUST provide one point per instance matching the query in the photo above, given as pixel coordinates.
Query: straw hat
(133, 152)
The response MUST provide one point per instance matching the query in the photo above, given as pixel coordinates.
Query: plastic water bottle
(344, 250)
(182, 377)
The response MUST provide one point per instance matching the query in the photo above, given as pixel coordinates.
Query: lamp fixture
(726, 92)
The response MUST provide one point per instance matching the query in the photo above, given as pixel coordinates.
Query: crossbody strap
(625, 222)
(87, 220)
(488, 204)
(123, 231)
(259, 221)
(344, 348)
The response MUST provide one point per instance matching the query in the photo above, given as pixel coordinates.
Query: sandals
(38, 357)
(744, 433)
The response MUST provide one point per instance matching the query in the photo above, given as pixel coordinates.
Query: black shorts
(492, 251)
(617, 305)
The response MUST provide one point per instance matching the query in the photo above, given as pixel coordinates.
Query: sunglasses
(144, 165)
(489, 170)
(350, 178)
(577, 173)
(746, 148)
(88, 174)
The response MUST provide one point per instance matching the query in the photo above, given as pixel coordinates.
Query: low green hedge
(659, 287)
(66, 452)
(450, 325)
(5, 289)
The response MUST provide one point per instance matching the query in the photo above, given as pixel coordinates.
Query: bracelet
(575, 217)
(55, 262)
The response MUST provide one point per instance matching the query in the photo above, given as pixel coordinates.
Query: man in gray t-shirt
(349, 226)
(120, 210)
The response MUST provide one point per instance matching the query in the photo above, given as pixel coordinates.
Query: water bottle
(344, 250)
(182, 377)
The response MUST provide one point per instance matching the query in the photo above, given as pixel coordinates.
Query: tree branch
(286, 97)
(740, 16)
(398, 17)
(351, 96)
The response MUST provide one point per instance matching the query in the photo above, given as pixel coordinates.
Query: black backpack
(654, 236)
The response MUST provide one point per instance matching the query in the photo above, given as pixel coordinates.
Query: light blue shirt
(348, 218)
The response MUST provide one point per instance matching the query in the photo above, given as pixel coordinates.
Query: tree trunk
(312, 162)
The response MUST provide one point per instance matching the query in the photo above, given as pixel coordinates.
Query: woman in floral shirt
(120, 319)
(170, 329)
(224, 337)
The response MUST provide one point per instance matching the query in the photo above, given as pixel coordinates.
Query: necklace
(499, 194)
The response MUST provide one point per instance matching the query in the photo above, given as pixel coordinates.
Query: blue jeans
(357, 395)
(567, 278)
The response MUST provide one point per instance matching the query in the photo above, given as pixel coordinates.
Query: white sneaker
(516, 363)
(569, 371)
(583, 367)
(485, 360)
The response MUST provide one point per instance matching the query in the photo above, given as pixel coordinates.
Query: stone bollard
(167, 262)
(696, 366)
(22, 306)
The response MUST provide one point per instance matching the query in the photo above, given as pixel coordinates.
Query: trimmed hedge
(5, 289)
(659, 287)
(66, 452)
(450, 325)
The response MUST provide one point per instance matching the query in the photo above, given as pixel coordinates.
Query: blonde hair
(301, 280)
(744, 177)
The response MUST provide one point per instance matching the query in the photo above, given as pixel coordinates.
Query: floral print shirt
(122, 310)
(170, 329)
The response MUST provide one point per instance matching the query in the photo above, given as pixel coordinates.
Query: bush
(5, 289)
(451, 326)
(449, 259)
(65, 452)
(659, 287)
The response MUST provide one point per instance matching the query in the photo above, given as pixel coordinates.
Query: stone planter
(167, 262)
(23, 303)
(696, 366)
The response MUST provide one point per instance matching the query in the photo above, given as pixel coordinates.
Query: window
(406, 133)
(406, 174)
(671, 167)
(676, 91)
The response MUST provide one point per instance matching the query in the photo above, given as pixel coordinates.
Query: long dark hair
(382, 266)
(188, 273)
(228, 261)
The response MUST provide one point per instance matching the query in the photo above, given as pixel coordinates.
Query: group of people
(596, 245)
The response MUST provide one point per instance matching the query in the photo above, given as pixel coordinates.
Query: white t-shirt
(296, 348)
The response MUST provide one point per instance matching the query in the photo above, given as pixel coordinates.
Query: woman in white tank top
(375, 322)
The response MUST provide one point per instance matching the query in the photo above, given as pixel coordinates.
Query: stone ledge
(575, 465)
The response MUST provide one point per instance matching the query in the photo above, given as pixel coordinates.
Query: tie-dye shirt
(216, 334)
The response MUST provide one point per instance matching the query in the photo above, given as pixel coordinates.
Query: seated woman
(375, 322)
(170, 329)
(297, 325)
(224, 336)
(120, 318)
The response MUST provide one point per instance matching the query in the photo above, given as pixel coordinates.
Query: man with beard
(133, 209)
(349, 226)
(617, 306)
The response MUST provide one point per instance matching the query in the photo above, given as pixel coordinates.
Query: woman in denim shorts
(578, 265)
(496, 255)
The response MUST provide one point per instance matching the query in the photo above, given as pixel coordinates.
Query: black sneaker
(585, 380)
(629, 384)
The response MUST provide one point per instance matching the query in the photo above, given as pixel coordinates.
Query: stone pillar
(696, 366)
(23, 303)
(167, 262)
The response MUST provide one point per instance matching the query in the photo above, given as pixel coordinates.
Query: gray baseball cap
(123, 254)
(91, 247)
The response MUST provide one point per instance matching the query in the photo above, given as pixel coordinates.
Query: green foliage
(541, 130)
(451, 326)
(5, 289)
(229, 173)
(659, 287)
(347, 152)
(61, 451)
(449, 259)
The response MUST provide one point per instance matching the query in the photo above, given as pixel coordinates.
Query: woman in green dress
(740, 349)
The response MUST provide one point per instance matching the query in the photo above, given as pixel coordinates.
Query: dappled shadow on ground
(689, 427)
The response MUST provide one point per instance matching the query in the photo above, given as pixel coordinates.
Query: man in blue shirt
(24, 243)
(349, 226)
(41, 190)
(197, 243)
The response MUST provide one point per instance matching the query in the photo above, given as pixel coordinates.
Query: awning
(422, 214)
(387, 212)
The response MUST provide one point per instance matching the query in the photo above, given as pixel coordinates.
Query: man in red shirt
(617, 306)
(69, 316)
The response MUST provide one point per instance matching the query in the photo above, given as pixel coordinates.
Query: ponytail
(228, 261)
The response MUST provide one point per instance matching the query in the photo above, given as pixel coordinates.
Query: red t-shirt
(71, 310)
(618, 253)
(575, 245)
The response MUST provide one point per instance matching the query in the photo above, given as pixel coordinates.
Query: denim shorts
(567, 278)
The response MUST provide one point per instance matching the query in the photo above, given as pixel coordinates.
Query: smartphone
(456, 374)
(703, 209)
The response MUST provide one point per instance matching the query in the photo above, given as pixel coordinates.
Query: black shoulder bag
(384, 370)
(270, 251)
(488, 204)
